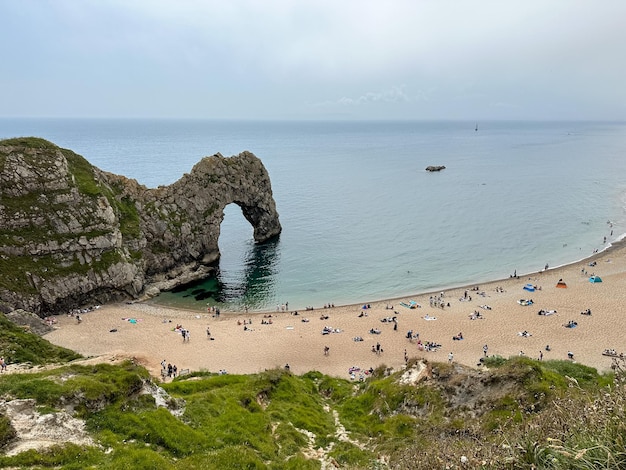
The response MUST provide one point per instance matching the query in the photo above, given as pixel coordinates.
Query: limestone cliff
(72, 234)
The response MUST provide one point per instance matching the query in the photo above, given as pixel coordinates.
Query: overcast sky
(314, 59)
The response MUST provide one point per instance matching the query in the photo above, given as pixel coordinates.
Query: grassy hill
(515, 413)
(18, 345)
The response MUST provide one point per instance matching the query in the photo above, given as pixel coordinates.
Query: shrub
(7, 432)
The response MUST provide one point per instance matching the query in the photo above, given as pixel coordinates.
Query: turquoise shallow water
(361, 218)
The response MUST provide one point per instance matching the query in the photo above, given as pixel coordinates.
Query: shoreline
(615, 245)
(261, 345)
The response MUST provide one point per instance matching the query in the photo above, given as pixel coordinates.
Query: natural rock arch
(193, 208)
(73, 234)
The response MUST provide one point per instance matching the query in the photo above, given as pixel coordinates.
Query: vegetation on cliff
(60, 221)
(18, 345)
(515, 413)
(72, 234)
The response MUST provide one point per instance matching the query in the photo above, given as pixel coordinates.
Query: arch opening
(246, 273)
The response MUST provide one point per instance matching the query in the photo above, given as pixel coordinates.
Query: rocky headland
(72, 234)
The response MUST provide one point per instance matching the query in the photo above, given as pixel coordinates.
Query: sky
(314, 59)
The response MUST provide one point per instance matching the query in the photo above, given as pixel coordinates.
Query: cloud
(414, 58)
(392, 95)
(395, 94)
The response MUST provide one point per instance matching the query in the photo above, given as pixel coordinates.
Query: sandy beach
(272, 339)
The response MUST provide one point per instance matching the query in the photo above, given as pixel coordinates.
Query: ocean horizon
(362, 219)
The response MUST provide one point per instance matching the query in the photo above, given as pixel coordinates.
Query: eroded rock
(72, 234)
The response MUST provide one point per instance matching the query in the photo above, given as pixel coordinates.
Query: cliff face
(71, 233)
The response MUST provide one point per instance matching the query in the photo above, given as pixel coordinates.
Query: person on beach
(326, 350)
(485, 349)
(3, 364)
(450, 358)
(208, 332)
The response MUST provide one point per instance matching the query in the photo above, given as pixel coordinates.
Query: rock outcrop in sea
(72, 234)
(432, 168)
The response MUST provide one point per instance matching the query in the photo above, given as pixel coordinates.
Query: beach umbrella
(595, 279)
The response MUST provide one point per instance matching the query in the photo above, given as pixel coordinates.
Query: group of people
(168, 370)
(184, 332)
(466, 297)
(329, 329)
(438, 302)
(216, 311)
(476, 315)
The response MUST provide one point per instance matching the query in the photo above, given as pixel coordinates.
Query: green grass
(82, 174)
(158, 428)
(29, 142)
(69, 457)
(18, 345)
(91, 386)
(7, 433)
(552, 414)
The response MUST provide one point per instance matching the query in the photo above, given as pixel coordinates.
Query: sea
(362, 219)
